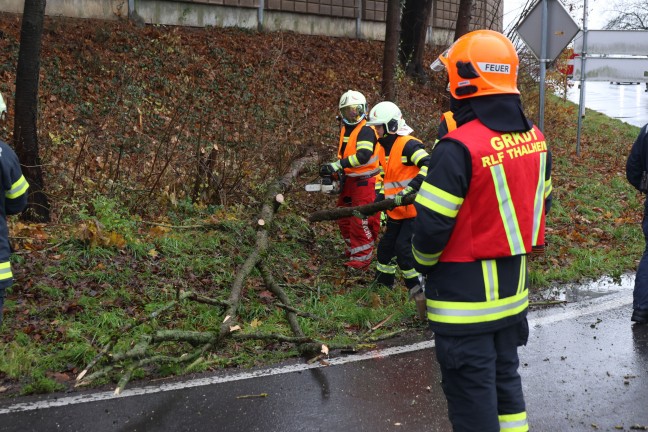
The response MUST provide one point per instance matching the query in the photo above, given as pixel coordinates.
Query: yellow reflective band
(513, 422)
(353, 160)
(491, 280)
(439, 200)
(425, 259)
(5, 271)
(403, 160)
(522, 279)
(423, 171)
(548, 188)
(410, 273)
(507, 210)
(418, 155)
(364, 145)
(386, 268)
(476, 312)
(18, 188)
(398, 184)
(538, 202)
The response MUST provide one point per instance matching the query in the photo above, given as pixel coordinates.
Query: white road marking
(576, 310)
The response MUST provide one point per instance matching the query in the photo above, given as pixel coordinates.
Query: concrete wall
(200, 15)
(100, 9)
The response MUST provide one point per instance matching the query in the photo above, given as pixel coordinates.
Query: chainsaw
(329, 184)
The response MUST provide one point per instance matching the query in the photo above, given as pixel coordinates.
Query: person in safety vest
(14, 188)
(404, 163)
(357, 160)
(637, 175)
(480, 211)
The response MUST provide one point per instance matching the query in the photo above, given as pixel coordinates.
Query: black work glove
(329, 169)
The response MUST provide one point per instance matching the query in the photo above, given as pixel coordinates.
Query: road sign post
(547, 30)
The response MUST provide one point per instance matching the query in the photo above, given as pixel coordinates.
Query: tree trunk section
(463, 18)
(392, 37)
(25, 131)
(416, 15)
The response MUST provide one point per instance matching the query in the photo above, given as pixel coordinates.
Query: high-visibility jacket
(498, 216)
(14, 187)
(347, 148)
(397, 176)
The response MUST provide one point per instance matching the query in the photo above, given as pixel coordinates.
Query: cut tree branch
(366, 210)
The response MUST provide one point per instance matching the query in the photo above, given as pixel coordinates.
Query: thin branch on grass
(366, 210)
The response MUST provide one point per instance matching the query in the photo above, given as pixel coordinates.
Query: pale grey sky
(596, 19)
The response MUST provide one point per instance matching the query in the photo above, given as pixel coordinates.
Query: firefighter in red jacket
(404, 163)
(359, 163)
(14, 188)
(480, 211)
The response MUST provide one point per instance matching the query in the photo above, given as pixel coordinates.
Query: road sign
(613, 69)
(616, 42)
(561, 29)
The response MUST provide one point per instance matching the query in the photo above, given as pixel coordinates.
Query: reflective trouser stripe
(367, 257)
(386, 268)
(362, 248)
(410, 273)
(513, 422)
(5, 271)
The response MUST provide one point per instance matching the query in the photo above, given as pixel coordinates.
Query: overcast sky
(598, 12)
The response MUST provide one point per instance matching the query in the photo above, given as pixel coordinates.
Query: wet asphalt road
(585, 369)
(626, 102)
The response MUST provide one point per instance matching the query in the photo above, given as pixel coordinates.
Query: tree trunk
(25, 131)
(392, 37)
(463, 18)
(414, 23)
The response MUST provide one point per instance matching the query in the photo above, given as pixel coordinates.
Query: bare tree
(414, 24)
(631, 15)
(463, 18)
(25, 131)
(392, 38)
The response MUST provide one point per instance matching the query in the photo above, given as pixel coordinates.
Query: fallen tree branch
(276, 290)
(140, 354)
(366, 210)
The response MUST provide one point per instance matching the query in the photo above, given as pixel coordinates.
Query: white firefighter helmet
(388, 115)
(3, 107)
(353, 107)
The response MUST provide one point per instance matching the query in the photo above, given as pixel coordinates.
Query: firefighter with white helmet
(480, 213)
(358, 164)
(14, 187)
(404, 163)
